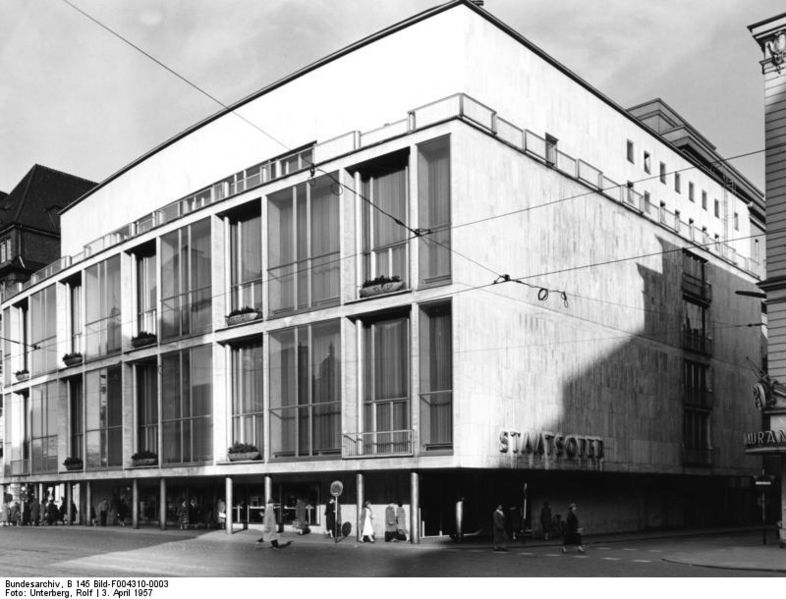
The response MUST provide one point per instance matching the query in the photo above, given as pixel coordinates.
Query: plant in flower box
(242, 451)
(381, 284)
(72, 359)
(145, 458)
(22, 375)
(73, 463)
(142, 339)
(241, 315)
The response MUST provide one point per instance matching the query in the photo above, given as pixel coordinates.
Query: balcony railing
(147, 321)
(377, 444)
(692, 456)
(697, 340)
(459, 106)
(696, 287)
(700, 398)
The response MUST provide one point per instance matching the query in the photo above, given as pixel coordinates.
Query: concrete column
(360, 497)
(414, 500)
(230, 502)
(162, 504)
(88, 502)
(68, 497)
(135, 503)
(268, 488)
(460, 518)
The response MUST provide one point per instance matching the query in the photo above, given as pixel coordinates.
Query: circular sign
(336, 488)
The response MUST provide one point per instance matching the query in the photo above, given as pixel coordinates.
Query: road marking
(553, 554)
(581, 556)
(526, 553)
(656, 550)
(476, 551)
(612, 559)
(642, 561)
(629, 549)
(604, 548)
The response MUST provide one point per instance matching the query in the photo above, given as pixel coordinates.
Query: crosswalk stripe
(642, 561)
(612, 559)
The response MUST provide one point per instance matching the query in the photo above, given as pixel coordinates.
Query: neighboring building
(770, 439)
(449, 166)
(30, 224)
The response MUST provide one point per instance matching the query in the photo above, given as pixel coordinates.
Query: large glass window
(102, 306)
(43, 331)
(186, 280)
(246, 262)
(147, 406)
(305, 390)
(43, 421)
(76, 418)
(386, 402)
(247, 394)
(104, 417)
(303, 246)
(8, 347)
(75, 292)
(16, 434)
(436, 377)
(384, 239)
(187, 405)
(146, 292)
(434, 209)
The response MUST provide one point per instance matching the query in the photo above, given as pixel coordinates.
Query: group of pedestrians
(571, 532)
(395, 523)
(31, 512)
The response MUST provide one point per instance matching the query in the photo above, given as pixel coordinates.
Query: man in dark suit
(498, 534)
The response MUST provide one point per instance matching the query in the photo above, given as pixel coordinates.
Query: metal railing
(697, 340)
(696, 287)
(454, 106)
(377, 444)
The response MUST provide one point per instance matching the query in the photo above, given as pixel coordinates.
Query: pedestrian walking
(52, 513)
(221, 513)
(270, 526)
(301, 522)
(499, 535)
(35, 512)
(572, 531)
(5, 513)
(103, 510)
(401, 523)
(390, 523)
(183, 515)
(545, 520)
(330, 517)
(367, 527)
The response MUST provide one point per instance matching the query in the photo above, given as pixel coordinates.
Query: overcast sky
(77, 99)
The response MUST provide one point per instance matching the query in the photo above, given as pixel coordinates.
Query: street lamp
(763, 482)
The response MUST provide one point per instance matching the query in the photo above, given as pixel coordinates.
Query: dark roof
(38, 197)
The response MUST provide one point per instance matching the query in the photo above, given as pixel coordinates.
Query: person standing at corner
(103, 510)
(330, 517)
(572, 530)
(401, 522)
(390, 523)
(499, 536)
(367, 532)
(545, 520)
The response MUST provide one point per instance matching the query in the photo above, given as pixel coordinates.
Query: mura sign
(764, 441)
(544, 443)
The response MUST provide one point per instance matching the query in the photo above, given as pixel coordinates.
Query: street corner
(760, 559)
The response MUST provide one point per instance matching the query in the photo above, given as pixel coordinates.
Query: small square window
(736, 222)
(662, 173)
(717, 209)
(677, 182)
(630, 151)
(647, 163)
(691, 191)
(704, 200)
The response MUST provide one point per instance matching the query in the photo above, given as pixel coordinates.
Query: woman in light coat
(269, 525)
(367, 531)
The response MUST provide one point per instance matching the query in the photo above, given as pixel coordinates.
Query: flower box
(72, 359)
(145, 461)
(22, 375)
(244, 317)
(381, 288)
(73, 466)
(143, 340)
(243, 456)
(73, 463)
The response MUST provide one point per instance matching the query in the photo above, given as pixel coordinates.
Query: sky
(75, 98)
